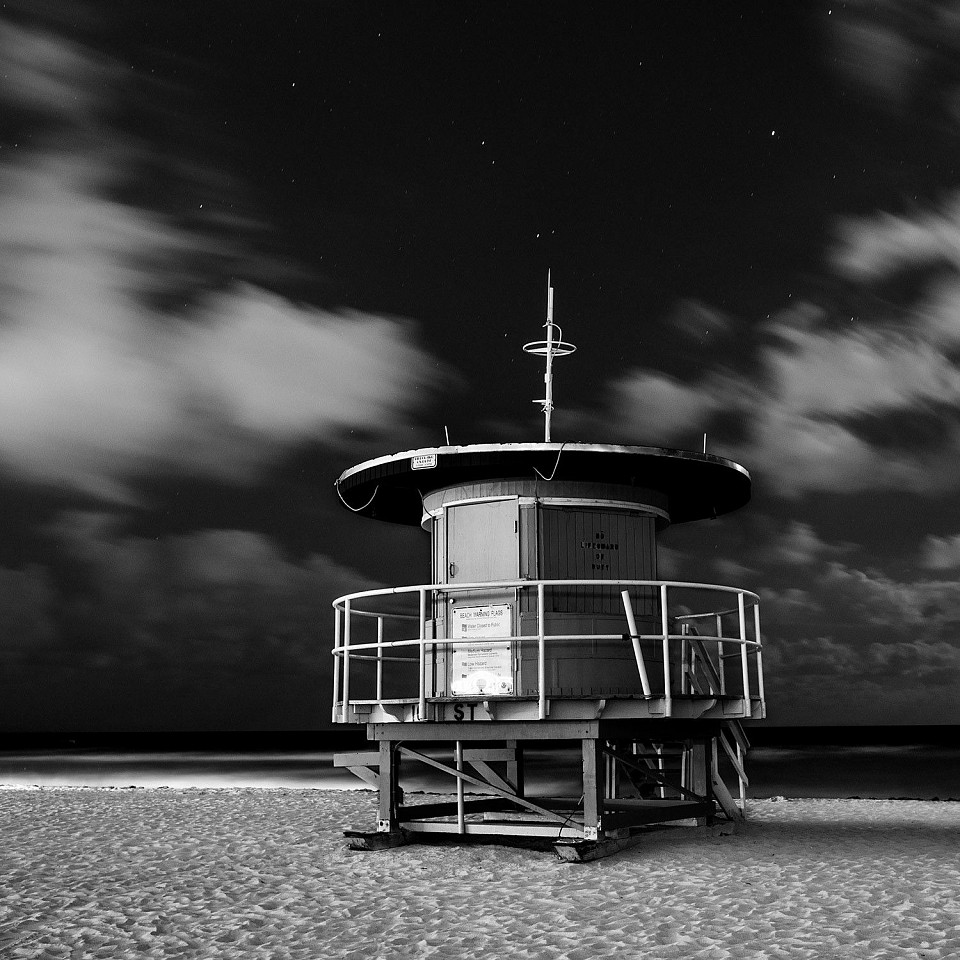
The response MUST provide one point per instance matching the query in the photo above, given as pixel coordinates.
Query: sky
(246, 246)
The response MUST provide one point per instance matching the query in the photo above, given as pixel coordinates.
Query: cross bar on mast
(553, 346)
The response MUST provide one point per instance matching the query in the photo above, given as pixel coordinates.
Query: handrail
(521, 582)
(708, 613)
(346, 648)
(507, 638)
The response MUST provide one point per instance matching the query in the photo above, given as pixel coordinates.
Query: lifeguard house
(545, 620)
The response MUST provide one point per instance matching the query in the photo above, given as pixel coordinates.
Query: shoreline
(363, 788)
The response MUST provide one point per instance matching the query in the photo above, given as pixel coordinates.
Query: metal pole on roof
(548, 376)
(553, 346)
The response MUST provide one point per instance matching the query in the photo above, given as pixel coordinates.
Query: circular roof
(697, 485)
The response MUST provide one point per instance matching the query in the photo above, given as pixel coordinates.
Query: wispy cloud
(95, 388)
(98, 386)
(829, 402)
(47, 74)
(667, 406)
(940, 553)
(862, 639)
(27, 602)
(181, 595)
(901, 55)
(194, 628)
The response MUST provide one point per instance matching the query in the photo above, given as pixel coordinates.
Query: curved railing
(701, 671)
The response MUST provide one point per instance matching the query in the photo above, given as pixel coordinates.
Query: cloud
(98, 385)
(827, 392)
(27, 601)
(47, 74)
(873, 247)
(900, 55)
(788, 604)
(940, 553)
(799, 544)
(701, 322)
(829, 402)
(217, 628)
(874, 53)
(288, 372)
(187, 595)
(793, 413)
(95, 389)
(666, 405)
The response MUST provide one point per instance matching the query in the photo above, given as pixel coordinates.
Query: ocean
(924, 771)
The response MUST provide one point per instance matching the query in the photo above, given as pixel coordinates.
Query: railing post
(541, 654)
(687, 664)
(744, 666)
(665, 628)
(720, 657)
(661, 769)
(336, 664)
(756, 631)
(379, 658)
(423, 654)
(346, 661)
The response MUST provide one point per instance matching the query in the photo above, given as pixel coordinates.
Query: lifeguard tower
(544, 620)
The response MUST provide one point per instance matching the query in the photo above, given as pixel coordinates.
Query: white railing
(702, 656)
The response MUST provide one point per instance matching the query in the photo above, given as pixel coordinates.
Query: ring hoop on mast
(559, 348)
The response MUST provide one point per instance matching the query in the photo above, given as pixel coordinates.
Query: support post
(699, 772)
(592, 788)
(387, 821)
(461, 818)
(515, 766)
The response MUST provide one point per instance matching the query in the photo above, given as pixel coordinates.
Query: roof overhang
(697, 485)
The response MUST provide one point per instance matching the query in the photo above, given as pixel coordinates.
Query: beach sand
(214, 873)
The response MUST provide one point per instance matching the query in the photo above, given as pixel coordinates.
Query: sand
(210, 873)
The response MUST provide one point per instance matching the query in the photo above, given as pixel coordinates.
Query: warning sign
(482, 668)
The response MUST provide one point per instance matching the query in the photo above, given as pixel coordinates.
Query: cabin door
(482, 542)
(482, 547)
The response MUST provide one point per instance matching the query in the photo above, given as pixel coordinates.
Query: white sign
(482, 668)
(494, 620)
(423, 461)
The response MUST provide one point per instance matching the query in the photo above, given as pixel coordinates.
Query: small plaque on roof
(423, 461)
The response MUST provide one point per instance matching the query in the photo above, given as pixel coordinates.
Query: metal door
(482, 547)
(482, 542)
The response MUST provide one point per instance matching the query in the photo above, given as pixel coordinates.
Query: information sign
(482, 668)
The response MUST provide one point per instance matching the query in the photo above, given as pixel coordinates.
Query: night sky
(244, 246)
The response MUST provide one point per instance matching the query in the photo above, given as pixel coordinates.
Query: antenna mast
(553, 346)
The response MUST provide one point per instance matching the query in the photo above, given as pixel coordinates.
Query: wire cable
(556, 464)
(336, 487)
(563, 825)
